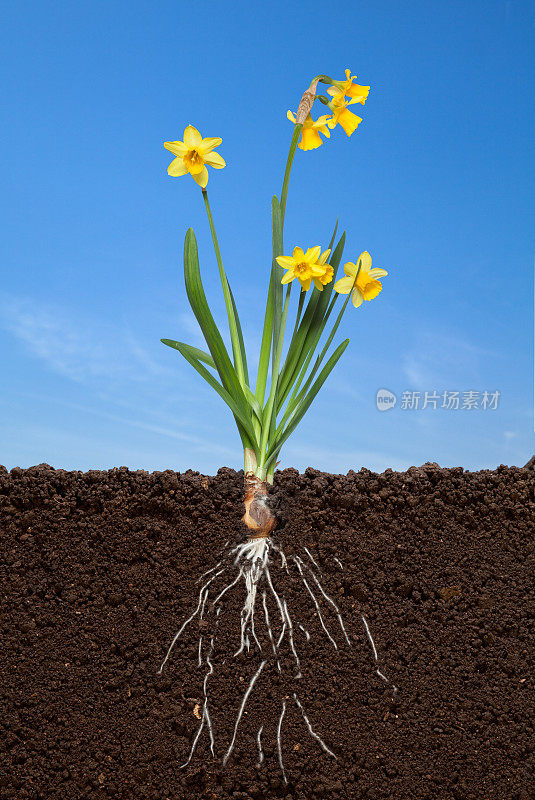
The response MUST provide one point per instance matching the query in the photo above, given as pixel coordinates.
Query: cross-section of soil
(99, 573)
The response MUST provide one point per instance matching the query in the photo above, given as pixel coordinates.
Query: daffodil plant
(268, 408)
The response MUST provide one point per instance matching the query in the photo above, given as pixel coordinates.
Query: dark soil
(99, 572)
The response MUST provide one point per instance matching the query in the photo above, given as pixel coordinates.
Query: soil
(100, 570)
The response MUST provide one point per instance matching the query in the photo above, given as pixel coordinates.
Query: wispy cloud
(81, 349)
(198, 443)
(443, 361)
(121, 380)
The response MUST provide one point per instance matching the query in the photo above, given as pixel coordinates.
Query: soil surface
(100, 570)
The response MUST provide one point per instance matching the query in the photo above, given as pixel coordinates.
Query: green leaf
(333, 237)
(239, 334)
(188, 352)
(277, 272)
(300, 411)
(199, 305)
(194, 351)
(253, 402)
(265, 347)
(216, 346)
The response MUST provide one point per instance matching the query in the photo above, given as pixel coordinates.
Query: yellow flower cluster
(311, 266)
(307, 267)
(341, 115)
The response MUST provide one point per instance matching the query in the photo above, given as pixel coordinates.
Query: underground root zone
(389, 655)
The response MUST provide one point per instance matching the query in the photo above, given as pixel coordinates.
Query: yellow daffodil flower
(366, 286)
(324, 279)
(306, 267)
(310, 132)
(341, 114)
(193, 154)
(354, 90)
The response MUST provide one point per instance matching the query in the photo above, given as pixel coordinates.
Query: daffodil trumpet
(268, 409)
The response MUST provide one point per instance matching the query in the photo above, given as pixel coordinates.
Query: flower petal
(215, 160)
(377, 272)
(349, 121)
(356, 298)
(305, 283)
(287, 262)
(343, 286)
(208, 144)
(201, 177)
(313, 253)
(291, 116)
(192, 137)
(177, 167)
(358, 93)
(298, 254)
(350, 269)
(288, 277)
(371, 290)
(316, 270)
(310, 139)
(318, 284)
(324, 256)
(365, 260)
(178, 148)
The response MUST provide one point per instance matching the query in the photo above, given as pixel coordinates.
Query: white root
(268, 626)
(278, 601)
(307, 635)
(320, 617)
(256, 551)
(230, 585)
(194, 745)
(208, 571)
(252, 560)
(329, 600)
(311, 557)
(377, 670)
(189, 619)
(205, 684)
(260, 750)
(240, 712)
(290, 636)
(279, 741)
(312, 732)
(205, 713)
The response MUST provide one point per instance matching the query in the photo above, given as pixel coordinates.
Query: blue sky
(437, 183)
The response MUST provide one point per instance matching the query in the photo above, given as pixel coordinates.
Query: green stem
(269, 409)
(289, 162)
(234, 336)
(284, 197)
(298, 317)
(267, 333)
